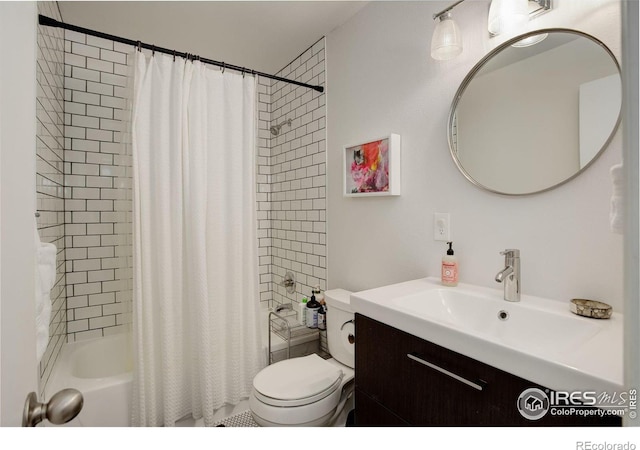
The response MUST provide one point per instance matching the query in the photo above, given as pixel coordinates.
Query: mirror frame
(480, 64)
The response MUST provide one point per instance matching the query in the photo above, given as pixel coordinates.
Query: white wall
(18, 204)
(381, 79)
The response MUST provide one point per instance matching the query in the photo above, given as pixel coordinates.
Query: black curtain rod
(49, 22)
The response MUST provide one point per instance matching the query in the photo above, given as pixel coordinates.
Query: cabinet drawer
(371, 413)
(390, 368)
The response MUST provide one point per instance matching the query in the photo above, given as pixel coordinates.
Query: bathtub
(102, 370)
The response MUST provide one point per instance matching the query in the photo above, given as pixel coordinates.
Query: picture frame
(371, 168)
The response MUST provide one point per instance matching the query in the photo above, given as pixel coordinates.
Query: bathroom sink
(537, 339)
(493, 318)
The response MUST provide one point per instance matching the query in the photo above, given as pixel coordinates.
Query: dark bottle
(312, 311)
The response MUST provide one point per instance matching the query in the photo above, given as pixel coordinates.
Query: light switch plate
(441, 227)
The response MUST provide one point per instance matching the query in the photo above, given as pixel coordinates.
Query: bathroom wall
(381, 79)
(263, 188)
(297, 170)
(50, 172)
(98, 277)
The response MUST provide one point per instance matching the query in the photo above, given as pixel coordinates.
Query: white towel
(616, 214)
(45, 279)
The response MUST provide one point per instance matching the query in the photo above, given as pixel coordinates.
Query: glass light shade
(533, 40)
(446, 42)
(507, 15)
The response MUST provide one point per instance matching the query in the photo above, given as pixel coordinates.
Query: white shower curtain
(196, 330)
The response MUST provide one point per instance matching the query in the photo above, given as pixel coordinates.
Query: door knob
(63, 406)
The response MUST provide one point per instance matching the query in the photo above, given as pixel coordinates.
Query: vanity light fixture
(504, 16)
(446, 42)
(509, 15)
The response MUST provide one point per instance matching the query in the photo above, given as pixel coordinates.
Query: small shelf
(289, 324)
(294, 334)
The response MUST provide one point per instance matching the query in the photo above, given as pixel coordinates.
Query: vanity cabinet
(402, 380)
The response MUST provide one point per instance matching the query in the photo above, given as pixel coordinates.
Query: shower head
(275, 130)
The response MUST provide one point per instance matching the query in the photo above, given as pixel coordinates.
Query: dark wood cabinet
(404, 380)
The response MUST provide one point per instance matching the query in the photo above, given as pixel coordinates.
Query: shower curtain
(195, 308)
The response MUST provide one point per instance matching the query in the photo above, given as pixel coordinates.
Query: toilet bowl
(309, 390)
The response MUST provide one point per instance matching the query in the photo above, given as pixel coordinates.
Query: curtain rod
(49, 22)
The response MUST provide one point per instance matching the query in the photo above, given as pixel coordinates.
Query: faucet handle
(511, 253)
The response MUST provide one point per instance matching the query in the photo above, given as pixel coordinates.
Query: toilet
(310, 391)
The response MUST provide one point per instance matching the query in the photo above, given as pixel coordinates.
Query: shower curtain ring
(174, 56)
(139, 46)
(243, 69)
(224, 66)
(153, 50)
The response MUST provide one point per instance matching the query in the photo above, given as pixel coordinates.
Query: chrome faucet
(510, 275)
(285, 307)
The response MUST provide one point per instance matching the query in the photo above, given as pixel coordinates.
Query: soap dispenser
(449, 268)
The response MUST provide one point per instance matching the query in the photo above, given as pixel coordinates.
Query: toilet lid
(297, 378)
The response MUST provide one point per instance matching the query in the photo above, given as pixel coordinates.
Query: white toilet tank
(340, 327)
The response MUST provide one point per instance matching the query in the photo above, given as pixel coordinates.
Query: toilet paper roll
(347, 335)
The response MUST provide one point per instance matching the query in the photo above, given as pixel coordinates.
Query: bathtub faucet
(285, 307)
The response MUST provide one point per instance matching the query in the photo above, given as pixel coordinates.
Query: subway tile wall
(98, 282)
(263, 186)
(297, 177)
(96, 167)
(50, 173)
(290, 184)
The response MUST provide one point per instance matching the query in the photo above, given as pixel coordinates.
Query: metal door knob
(63, 407)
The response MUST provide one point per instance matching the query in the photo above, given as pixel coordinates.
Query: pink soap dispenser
(449, 268)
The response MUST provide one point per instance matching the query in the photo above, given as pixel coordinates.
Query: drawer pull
(446, 372)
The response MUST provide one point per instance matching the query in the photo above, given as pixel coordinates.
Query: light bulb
(507, 15)
(532, 40)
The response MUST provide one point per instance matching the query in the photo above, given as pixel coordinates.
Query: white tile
(75, 36)
(75, 60)
(85, 50)
(99, 42)
(84, 97)
(112, 56)
(99, 88)
(85, 74)
(101, 322)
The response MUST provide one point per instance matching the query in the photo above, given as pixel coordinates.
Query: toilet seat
(297, 382)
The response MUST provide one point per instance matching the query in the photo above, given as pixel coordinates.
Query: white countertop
(588, 357)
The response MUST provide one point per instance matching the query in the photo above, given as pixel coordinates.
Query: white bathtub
(102, 370)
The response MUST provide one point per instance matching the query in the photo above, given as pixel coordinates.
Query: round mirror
(535, 112)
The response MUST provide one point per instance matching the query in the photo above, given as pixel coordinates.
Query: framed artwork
(372, 168)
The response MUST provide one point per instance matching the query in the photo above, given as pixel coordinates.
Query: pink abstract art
(369, 167)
